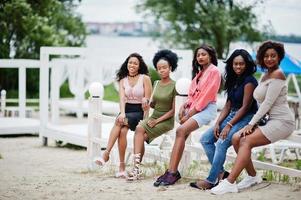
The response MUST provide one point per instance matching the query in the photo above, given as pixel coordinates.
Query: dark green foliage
(26, 25)
(270, 175)
(189, 23)
(65, 91)
(153, 74)
(298, 164)
(110, 93)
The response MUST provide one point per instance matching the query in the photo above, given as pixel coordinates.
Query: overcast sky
(285, 15)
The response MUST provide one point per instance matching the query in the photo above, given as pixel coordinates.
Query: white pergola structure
(93, 134)
(74, 134)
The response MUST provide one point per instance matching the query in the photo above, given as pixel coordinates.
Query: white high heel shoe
(100, 161)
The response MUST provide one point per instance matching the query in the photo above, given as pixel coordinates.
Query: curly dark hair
(277, 46)
(167, 55)
(196, 67)
(230, 76)
(123, 71)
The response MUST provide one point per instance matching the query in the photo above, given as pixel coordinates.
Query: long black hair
(123, 71)
(196, 67)
(230, 76)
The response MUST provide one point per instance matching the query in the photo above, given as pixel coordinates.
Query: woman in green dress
(163, 103)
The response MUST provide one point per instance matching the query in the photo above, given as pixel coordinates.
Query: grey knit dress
(271, 94)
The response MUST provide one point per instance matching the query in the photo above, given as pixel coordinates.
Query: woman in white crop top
(134, 91)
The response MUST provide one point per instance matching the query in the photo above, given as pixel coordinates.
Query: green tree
(187, 23)
(26, 25)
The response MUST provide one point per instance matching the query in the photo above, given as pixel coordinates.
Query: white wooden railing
(95, 142)
(21, 65)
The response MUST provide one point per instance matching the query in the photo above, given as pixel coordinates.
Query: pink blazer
(204, 91)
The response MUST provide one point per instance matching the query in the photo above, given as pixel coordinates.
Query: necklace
(132, 76)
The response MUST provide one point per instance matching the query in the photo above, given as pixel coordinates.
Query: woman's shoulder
(250, 79)
(275, 76)
(122, 80)
(173, 83)
(278, 74)
(213, 70)
(146, 78)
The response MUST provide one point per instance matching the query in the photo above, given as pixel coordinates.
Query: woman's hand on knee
(184, 119)
(247, 130)
(120, 119)
(225, 132)
(181, 113)
(216, 131)
(152, 123)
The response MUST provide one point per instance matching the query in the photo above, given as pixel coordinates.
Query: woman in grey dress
(271, 94)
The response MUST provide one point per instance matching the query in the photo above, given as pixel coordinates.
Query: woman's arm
(147, 87)
(224, 113)
(122, 101)
(182, 111)
(147, 92)
(153, 122)
(272, 94)
(208, 87)
(246, 104)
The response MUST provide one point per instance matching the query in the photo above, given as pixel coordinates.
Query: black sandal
(195, 185)
(225, 175)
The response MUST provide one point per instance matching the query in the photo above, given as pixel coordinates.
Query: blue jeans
(216, 153)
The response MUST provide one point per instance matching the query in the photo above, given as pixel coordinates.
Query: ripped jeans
(216, 150)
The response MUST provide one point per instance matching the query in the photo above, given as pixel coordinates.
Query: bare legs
(243, 147)
(139, 139)
(122, 144)
(118, 132)
(249, 166)
(181, 135)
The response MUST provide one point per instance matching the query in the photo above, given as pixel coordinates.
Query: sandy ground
(30, 171)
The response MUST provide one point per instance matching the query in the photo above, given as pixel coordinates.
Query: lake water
(145, 45)
(112, 51)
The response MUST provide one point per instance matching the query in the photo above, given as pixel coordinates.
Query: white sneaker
(249, 181)
(223, 187)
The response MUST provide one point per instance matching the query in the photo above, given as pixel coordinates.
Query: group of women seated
(254, 114)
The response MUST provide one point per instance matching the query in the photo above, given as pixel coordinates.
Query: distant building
(118, 28)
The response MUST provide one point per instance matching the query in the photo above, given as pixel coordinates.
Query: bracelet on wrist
(230, 124)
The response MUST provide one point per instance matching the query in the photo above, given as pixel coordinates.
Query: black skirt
(133, 113)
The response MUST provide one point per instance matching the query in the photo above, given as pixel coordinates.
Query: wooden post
(22, 91)
(94, 128)
(44, 93)
(54, 95)
(2, 103)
